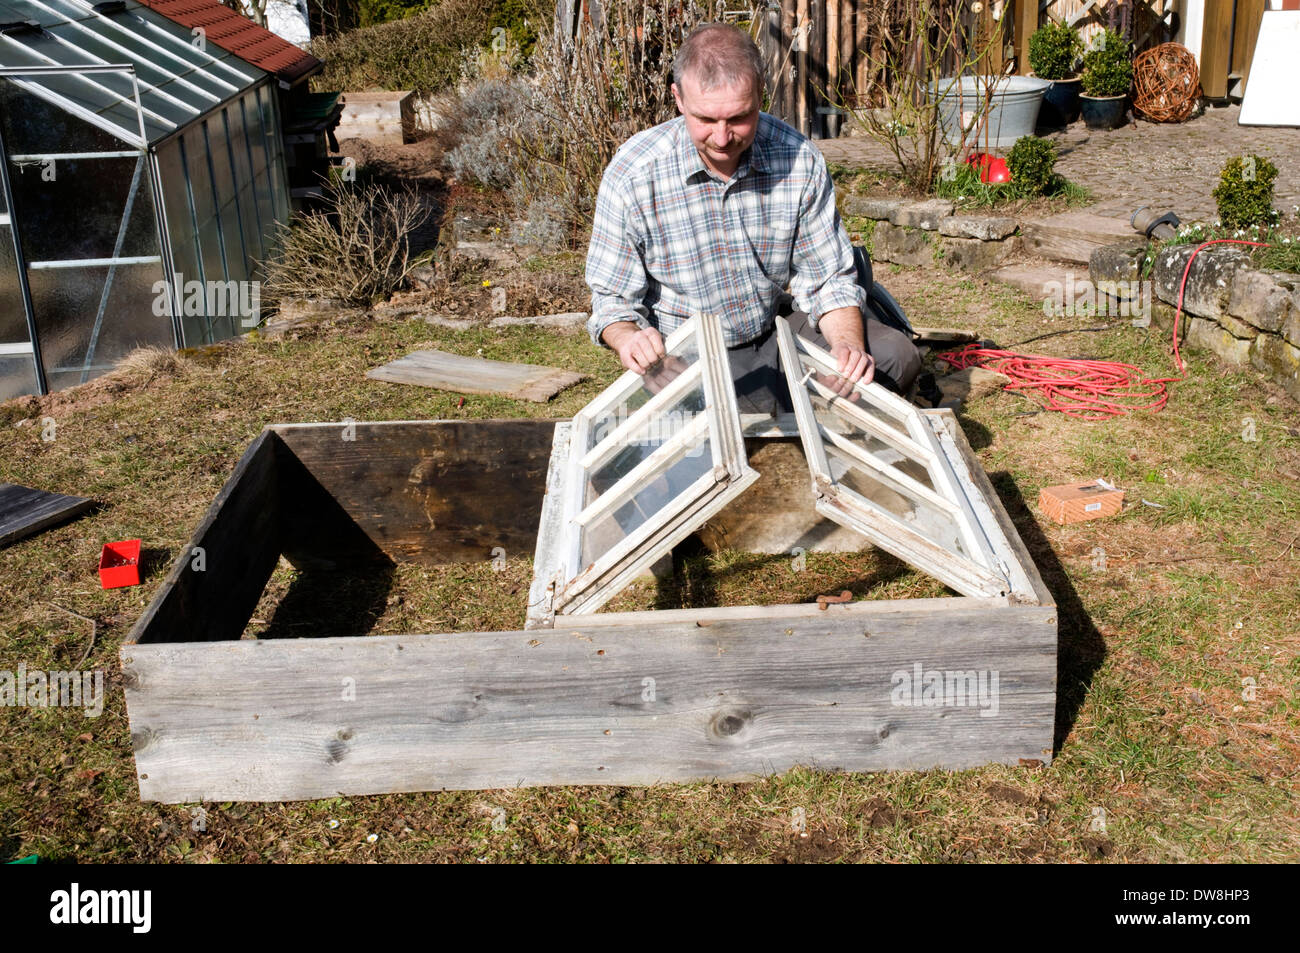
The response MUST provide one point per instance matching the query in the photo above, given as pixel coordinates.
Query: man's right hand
(638, 349)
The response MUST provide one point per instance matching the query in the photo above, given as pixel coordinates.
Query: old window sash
(892, 473)
(648, 461)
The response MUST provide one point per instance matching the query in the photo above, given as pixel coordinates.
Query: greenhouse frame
(142, 178)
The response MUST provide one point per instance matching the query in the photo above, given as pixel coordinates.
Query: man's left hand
(842, 329)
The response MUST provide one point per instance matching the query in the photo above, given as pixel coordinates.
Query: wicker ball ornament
(1166, 83)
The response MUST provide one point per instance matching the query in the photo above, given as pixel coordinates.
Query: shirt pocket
(773, 243)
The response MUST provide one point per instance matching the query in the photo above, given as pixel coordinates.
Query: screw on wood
(824, 601)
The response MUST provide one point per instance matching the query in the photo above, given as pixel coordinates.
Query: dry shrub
(144, 365)
(358, 251)
(589, 97)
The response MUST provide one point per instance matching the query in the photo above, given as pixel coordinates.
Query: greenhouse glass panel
(17, 377)
(79, 340)
(13, 315)
(77, 212)
(32, 124)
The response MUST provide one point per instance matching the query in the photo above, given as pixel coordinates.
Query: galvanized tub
(1013, 109)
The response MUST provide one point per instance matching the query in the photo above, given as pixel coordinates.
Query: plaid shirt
(670, 239)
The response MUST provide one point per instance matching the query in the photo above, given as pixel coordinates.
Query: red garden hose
(1089, 390)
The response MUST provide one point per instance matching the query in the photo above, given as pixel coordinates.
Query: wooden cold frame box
(607, 698)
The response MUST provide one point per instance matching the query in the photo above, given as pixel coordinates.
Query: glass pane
(680, 358)
(843, 425)
(33, 125)
(265, 212)
(857, 401)
(655, 493)
(254, 136)
(640, 443)
(17, 377)
(75, 208)
(13, 317)
(66, 303)
(934, 524)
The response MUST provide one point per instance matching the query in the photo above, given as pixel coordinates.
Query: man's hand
(638, 349)
(842, 329)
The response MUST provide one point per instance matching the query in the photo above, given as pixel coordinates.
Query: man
(718, 210)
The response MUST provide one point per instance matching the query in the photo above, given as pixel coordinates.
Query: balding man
(720, 210)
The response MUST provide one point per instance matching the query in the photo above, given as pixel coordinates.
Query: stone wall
(1246, 316)
(909, 232)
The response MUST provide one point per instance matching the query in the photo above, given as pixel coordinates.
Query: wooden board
(239, 537)
(474, 375)
(733, 700)
(425, 491)
(25, 511)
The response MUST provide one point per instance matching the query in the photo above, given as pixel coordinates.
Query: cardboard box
(1076, 502)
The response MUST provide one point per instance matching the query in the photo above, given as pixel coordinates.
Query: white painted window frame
(575, 589)
(987, 568)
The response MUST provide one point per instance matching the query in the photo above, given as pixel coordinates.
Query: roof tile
(239, 35)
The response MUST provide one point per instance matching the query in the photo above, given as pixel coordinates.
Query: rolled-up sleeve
(616, 270)
(823, 276)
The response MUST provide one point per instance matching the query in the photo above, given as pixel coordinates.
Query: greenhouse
(142, 178)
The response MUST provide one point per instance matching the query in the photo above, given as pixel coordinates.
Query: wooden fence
(826, 55)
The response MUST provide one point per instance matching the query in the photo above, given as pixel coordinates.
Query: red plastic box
(119, 564)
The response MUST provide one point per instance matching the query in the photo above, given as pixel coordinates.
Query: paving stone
(972, 254)
(926, 215)
(902, 246)
(868, 206)
(1262, 298)
(984, 227)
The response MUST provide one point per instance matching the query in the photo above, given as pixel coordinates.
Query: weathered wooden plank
(733, 700)
(428, 491)
(219, 575)
(25, 511)
(864, 609)
(474, 375)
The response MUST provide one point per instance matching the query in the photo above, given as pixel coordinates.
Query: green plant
(1032, 162)
(1054, 49)
(1107, 65)
(1244, 194)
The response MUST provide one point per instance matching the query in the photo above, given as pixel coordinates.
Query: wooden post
(803, 24)
(789, 63)
(1216, 47)
(1026, 24)
(834, 98)
(1249, 15)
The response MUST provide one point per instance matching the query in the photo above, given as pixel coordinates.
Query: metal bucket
(1013, 109)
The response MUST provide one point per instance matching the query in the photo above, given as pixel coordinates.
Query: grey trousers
(760, 383)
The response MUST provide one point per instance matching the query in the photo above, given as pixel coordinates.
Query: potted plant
(1107, 76)
(1054, 52)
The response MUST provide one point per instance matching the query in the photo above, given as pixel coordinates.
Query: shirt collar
(754, 159)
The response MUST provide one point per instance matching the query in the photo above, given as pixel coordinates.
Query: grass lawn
(1178, 720)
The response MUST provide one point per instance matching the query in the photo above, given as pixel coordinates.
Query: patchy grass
(1166, 612)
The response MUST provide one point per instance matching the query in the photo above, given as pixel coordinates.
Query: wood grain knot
(729, 723)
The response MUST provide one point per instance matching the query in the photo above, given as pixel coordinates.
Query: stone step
(1039, 280)
(1072, 236)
